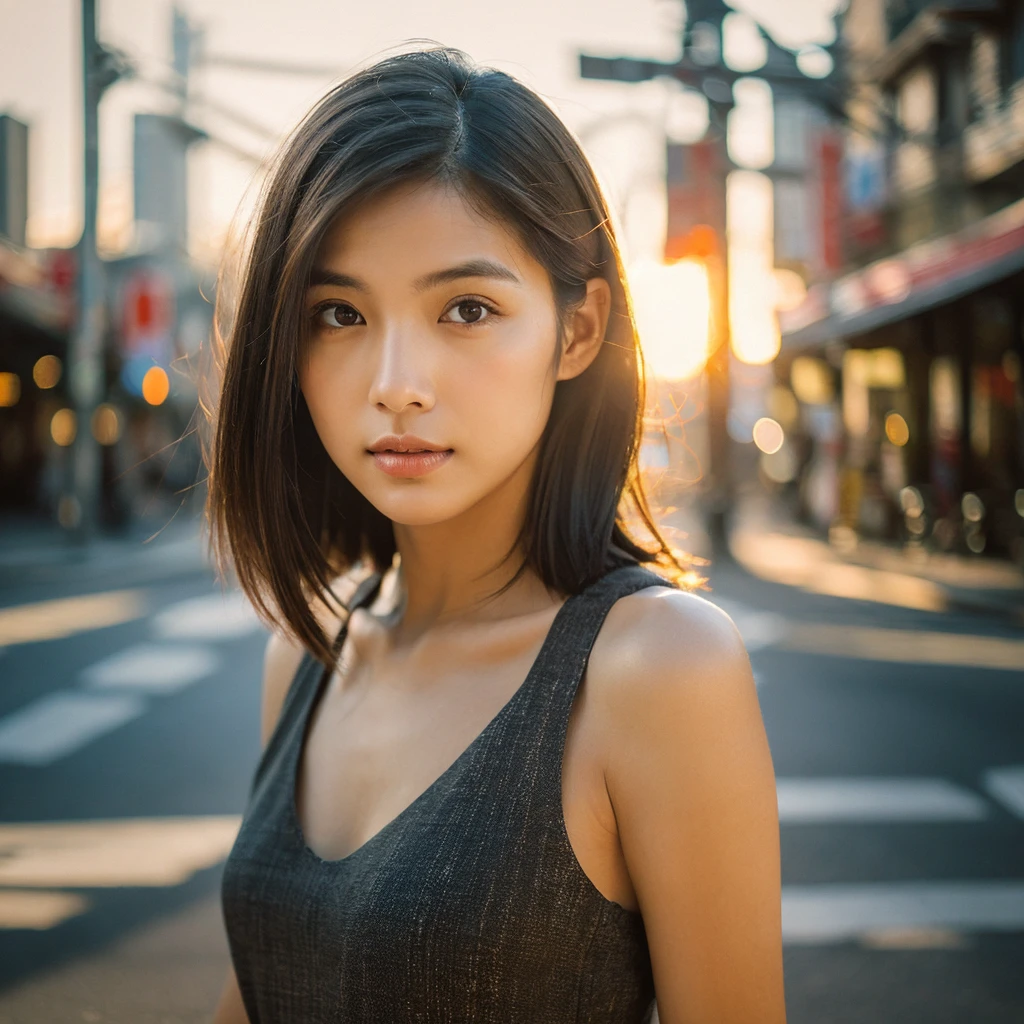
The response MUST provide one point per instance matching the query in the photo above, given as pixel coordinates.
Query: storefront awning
(926, 275)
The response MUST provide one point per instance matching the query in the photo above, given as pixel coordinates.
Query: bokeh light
(972, 507)
(896, 429)
(790, 289)
(46, 372)
(814, 61)
(768, 435)
(10, 389)
(812, 380)
(63, 427)
(155, 385)
(106, 424)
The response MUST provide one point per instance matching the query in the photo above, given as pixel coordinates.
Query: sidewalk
(33, 550)
(770, 545)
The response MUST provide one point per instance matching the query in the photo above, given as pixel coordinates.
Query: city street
(127, 743)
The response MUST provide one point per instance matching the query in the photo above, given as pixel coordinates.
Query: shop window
(1012, 45)
(916, 101)
(954, 101)
(945, 399)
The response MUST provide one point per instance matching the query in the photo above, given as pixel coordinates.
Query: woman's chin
(419, 509)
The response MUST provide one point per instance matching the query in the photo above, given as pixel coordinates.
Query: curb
(960, 600)
(972, 605)
(129, 559)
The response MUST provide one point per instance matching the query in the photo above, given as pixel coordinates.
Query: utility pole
(79, 504)
(720, 497)
(702, 67)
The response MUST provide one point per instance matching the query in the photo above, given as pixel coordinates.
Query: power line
(270, 67)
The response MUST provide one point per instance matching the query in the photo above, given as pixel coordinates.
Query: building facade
(920, 336)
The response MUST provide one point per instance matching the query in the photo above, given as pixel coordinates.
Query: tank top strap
(563, 659)
(307, 678)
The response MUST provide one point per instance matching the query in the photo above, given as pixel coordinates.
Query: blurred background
(822, 212)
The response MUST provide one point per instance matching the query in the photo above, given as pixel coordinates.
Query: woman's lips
(410, 463)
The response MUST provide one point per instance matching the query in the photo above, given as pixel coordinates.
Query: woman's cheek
(504, 409)
(330, 395)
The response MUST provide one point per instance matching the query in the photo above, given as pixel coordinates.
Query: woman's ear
(585, 331)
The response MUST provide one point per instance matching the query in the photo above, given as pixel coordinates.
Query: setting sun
(672, 307)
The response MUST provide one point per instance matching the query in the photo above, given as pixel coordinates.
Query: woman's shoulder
(666, 651)
(284, 652)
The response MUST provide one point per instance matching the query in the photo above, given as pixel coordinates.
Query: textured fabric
(468, 906)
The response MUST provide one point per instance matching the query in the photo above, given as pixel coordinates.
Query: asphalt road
(127, 746)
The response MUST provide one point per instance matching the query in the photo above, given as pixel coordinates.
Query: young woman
(528, 781)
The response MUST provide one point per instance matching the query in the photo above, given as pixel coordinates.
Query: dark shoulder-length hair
(280, 511)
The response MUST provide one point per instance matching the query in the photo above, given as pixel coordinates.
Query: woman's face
(429, 369)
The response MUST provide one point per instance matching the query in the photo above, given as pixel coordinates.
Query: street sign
(147, 313)
(696, 196)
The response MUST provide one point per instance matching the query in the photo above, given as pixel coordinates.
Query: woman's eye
(469, 311)
(339, 316)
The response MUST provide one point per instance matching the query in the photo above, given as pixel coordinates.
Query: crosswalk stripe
(111, 853)
(38, 910)
(906, 646)
(761, 629)
(803, 801)
(1007, 786)
(837, 913)
(212, 617)
(151, 668)
(59, 723)
(758, 628)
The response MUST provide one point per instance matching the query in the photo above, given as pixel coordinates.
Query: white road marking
(758, 628)
(1007, 786)
(111, 853)
(761, 629)
(213, 617)
(38, 910)
(814, 914)
(151, 668)
(59, 723)
(907, 646)
(915, 938)
(803, 801)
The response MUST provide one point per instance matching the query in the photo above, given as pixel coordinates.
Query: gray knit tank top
(470, 905)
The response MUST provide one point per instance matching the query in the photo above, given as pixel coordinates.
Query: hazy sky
(537, 40)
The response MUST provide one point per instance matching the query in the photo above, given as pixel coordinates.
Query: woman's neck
(450, 570)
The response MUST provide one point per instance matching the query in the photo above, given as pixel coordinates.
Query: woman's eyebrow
(470, 268)
(319, 276)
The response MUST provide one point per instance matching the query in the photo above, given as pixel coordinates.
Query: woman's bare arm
(230, 1008)
(691, 782)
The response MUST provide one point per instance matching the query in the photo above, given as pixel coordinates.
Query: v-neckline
(306, 717)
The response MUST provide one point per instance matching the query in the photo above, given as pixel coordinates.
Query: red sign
(61, 270)
(147, 311)
(695, 186)
(830, 159)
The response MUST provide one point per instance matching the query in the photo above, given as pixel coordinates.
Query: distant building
(158, 314)
(920, 331)
(34, 311)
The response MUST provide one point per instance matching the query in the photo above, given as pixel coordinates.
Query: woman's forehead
(413, 230)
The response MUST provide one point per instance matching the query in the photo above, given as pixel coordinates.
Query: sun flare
(672, 306)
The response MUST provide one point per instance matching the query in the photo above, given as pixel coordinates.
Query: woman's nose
(401, 377)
